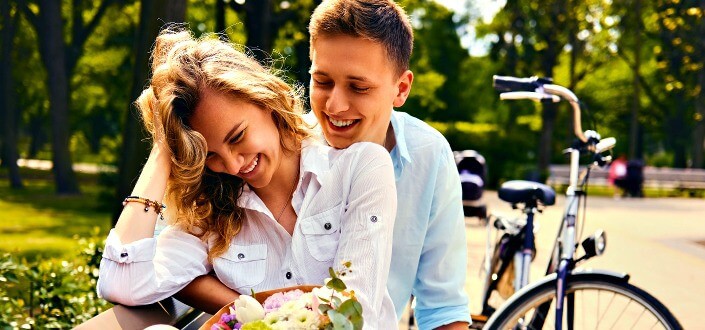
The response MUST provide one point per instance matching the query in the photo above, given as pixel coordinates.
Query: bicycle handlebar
(514, 84)
(539, 89)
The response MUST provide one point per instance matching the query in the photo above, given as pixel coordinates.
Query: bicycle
(566, 296)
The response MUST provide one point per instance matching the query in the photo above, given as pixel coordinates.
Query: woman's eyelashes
(237, 137)
(233, 140)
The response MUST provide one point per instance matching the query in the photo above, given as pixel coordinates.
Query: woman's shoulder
(363, 150)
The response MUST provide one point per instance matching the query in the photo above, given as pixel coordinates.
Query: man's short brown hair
(381, 21)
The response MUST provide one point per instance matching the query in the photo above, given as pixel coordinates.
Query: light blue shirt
(429, 249)
(429, 253)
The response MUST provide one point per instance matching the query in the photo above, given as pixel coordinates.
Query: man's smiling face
(354, 87)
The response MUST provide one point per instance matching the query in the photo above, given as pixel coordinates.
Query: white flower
(283, 325)
(307, 299)
(290, 307)
(273, 318)
(248, 309)
(305, 319)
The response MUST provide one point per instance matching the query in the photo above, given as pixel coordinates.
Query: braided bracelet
(158, 207)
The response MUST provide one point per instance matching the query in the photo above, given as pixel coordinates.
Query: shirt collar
(314, 162)
(400, 153)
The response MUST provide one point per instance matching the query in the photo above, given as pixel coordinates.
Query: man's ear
(404, 88)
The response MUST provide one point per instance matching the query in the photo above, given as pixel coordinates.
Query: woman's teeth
(252, 167)
(341, 123)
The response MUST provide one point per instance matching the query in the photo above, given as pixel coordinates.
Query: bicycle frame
(539, 89)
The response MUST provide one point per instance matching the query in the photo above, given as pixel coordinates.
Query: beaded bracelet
(158, 207)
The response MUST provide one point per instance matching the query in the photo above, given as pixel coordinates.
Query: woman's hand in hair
(160, 147)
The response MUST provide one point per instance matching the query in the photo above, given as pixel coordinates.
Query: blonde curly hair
(182, 66)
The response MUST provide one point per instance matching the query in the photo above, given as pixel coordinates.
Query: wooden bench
(682, 179)
(168, 311)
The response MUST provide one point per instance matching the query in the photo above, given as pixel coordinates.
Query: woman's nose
(233, 164)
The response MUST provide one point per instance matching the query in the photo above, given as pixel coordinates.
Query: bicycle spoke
(608, 306)
(620, 314)
(643, 310)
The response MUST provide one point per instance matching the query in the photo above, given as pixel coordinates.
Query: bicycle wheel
(600, 300)
(498, 284)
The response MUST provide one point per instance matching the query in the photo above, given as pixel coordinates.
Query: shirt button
(123, 255)
(327, 226)
(241, 256)
(288, 275)
(373, 218)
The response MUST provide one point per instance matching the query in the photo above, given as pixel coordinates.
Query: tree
(681, 62)
(530, 38)
(153, 14)
(276, 25)
(8, 108)
(60, 58)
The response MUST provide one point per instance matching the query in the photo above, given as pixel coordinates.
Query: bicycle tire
(531, 304)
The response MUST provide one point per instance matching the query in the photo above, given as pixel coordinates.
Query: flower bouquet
(300, 307)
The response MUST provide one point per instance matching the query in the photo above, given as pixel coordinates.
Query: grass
(37, 223)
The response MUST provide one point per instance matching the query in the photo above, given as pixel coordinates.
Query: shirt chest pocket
(322, 233)
(242, 266)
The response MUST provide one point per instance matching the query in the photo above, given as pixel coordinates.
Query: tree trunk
(259, 26)
(53, 52)
(677, 130)
(8, 108)
(634, 147)
(699, 131)
(220, 16)
(134, 151)
(548, 120)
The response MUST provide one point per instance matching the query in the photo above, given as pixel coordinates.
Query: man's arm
(441, 301)
(206, 293)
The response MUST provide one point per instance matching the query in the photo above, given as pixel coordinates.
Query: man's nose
(337, 102)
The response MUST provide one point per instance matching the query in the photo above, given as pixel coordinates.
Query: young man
(360, 52)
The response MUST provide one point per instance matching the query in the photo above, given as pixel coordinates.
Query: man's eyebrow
(227, 136)
(348, 77)
(359, 78)
(316, 71)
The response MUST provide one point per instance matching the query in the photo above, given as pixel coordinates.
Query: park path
(655, 240)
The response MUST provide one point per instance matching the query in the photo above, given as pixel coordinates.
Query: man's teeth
(341, 123)
(252, 167)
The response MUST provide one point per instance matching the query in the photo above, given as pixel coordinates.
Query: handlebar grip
(514, 84)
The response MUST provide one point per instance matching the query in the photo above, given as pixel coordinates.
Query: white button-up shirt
(345, 201)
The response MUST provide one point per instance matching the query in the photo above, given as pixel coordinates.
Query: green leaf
(332, 273)
(350, 307)
(336, 284)
(340, 322)
(357, 321)
(336, 302)
(323, 308)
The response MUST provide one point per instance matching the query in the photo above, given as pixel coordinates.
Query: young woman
(251, 196)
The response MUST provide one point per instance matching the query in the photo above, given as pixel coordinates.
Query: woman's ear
(403, 88)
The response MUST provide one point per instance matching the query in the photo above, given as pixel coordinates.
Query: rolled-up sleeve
(151, 269)
(440, 280)
(366, 234)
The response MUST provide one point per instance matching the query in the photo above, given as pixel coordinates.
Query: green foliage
(509, 154)
(343, 315)
(51, 294)
(37, 223)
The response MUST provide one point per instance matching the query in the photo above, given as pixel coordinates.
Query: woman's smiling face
(241, 137)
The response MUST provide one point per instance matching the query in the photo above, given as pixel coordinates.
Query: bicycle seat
(520, 191)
